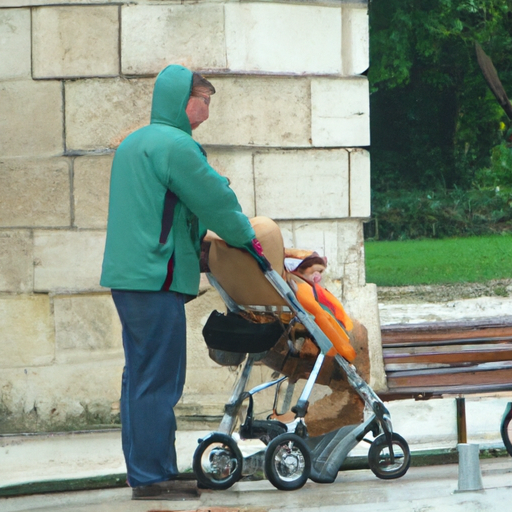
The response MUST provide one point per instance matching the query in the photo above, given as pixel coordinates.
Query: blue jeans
(154, 340)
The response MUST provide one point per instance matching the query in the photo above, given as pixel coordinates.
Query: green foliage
(412, 144)
(432, 33)
(412, 214)
(453, 260)
(499, 174)
(434, 120)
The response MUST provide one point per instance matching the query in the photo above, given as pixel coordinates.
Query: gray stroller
(262, 310)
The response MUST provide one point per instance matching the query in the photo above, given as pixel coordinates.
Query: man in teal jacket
(163, 197)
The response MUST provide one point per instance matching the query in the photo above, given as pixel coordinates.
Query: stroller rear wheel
(379, 457)
(287, 462)
(218, 461)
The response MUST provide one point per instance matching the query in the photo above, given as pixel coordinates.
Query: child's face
(314, 273)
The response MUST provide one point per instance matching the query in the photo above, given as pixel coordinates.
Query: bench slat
(446, 333)
(428, 392)
(486, 374)
(421, 341)
(450, 355)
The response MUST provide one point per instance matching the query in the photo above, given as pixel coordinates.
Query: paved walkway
(431, 488)
(426, 425)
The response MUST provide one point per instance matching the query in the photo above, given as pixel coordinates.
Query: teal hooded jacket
(163, 197)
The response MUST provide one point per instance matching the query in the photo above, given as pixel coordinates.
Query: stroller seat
(257, 313)
(245, 288)
(239, 275)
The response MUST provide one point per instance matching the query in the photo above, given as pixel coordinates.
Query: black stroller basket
(232, 332)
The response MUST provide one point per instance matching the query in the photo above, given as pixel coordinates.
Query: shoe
(189, 475)
(168, 490)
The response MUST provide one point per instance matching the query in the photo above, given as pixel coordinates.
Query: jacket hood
(170, 97)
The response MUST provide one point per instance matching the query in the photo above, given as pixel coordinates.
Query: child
(307, 264)
(328, 311)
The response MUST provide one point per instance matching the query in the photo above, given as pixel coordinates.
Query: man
(163, 197)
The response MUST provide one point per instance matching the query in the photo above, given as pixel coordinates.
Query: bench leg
(462, 436)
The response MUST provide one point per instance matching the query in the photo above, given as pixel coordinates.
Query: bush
(412, 214)
(499, 174)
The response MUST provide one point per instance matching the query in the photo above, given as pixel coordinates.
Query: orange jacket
(328, 313)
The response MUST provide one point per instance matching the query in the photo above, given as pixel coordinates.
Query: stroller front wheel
(218, 461)
(379, 457)
(506, 428)
(287, 462)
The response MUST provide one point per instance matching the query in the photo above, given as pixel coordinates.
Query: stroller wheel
(287, 462)
(217, 461)
(379, 457)
(506, 428)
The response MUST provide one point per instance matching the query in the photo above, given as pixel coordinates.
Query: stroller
(262, 310)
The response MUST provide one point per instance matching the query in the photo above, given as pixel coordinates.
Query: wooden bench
(433, 360)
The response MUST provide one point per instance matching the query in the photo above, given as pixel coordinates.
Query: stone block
(198, 311)
(26, 336)
(16, 261)
(360, 185)
(322, 237)
(14, 44)
(355, 40)
(87, 327)
(212, 390)
(34, 193)
(214, 381)
(351, 253)
(335, 3)
(101, 113)
(297, 184)
(91, 179)
(206, 380)
(340, 112)
(68, 261)
(35, 3)
(154, 36)
(60, 397)
(271, 37)
(237, 166)
(260, 111)
(30, 118)
(73, 41)
(362, 304)
(341, 242)
(287, 233)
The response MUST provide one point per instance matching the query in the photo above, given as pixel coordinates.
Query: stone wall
(287, 126)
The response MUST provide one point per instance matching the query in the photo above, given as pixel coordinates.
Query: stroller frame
(293, 457)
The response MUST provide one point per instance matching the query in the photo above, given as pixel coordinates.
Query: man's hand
(257, 252)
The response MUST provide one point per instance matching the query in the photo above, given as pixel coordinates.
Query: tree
(434, 120)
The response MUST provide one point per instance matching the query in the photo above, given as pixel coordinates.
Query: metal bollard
(470, 476)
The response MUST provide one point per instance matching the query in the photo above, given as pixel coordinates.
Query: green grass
(443, 261)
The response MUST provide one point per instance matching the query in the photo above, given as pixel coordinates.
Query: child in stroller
(307, 264)
(267, 308)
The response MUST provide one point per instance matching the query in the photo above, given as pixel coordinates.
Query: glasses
(206, 98)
